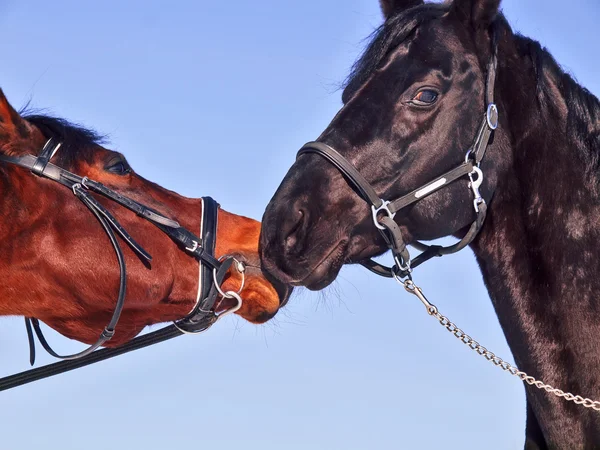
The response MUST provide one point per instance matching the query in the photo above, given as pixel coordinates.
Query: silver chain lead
(496, 360)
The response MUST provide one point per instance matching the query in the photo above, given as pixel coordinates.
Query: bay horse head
(411, 110)
(57, 264)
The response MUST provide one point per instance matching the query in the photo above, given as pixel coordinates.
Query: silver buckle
(384, 207)
(194, 247)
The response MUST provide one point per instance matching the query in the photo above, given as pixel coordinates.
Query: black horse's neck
(538, 248)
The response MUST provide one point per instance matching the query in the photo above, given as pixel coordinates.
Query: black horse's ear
(390, 7)
(478, 13)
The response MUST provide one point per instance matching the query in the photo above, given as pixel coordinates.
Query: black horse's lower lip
(324, 272)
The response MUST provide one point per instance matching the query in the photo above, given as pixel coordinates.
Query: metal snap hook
(474, 184)
(403, 267)
(412, 288)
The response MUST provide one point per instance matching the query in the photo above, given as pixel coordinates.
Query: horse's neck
(538, 252)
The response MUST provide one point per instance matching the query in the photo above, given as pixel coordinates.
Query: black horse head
(412, 107)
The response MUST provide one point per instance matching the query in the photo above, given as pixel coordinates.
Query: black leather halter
(384, 211)
(212, 271)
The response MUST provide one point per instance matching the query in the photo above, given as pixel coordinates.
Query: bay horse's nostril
(296, 227)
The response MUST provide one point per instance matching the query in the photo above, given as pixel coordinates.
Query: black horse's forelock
(395, 30)
(78, 142)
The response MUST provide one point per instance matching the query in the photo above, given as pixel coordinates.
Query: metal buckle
(384, 208)
(492, 116)
(194, 247)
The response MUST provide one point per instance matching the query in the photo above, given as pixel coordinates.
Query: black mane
(583, 120)
(78, 142)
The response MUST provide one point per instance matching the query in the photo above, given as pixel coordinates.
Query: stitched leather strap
(430, 188)
(346, 168)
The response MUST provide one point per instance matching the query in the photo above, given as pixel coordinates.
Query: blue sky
(214, 98)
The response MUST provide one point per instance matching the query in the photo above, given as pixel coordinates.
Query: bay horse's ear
(477, 13)
(12, 125)
(390, 7)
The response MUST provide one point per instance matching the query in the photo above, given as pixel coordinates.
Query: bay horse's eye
(425, 97)
(118, 167)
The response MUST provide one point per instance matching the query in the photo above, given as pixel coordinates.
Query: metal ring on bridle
(492, 116)
(241, 268)
(385, 208)
(468, 155)
(230, 294)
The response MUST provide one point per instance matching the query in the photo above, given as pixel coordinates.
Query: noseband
(211, 272)
(383, 211)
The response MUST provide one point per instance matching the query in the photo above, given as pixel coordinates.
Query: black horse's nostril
(295, 229)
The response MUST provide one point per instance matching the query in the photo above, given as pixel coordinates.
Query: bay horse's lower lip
(284, 291)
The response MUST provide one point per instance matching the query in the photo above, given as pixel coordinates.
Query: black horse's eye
(425, 97)
(118, 167)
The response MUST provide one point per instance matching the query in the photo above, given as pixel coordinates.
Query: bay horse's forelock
(58, 266)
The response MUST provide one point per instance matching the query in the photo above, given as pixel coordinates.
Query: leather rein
(212, 271)
(383, 211)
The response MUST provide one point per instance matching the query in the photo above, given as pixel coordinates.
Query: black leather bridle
(211, 275)
(383, 211)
